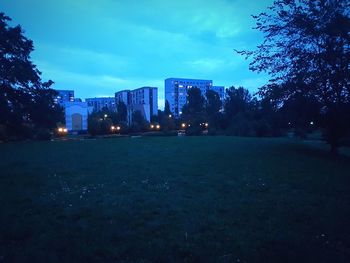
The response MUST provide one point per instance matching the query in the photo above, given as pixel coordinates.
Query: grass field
(173, 199)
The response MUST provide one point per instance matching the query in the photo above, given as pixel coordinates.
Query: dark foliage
(27, 105)
(306, 50)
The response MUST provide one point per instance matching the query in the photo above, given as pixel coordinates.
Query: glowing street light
(152, 126)
(183, 125)
(105, 116)
(62, 130)
(311, 123)
(113, 128)
(170, 116)
(118, 128)
(206, 124)
(158, 126)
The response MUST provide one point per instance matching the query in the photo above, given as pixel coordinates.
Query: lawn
(173, 199)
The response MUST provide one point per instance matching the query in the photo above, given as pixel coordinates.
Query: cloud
(206, 64)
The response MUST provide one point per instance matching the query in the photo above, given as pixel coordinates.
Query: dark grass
(174, 199)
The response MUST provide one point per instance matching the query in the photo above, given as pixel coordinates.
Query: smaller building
(143, 99)
(98, 104)
(64, 96)
(76, 114)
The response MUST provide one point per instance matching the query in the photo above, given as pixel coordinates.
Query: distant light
(118, 128)
(62, 130)
(152, 126)
(112, 128)
(206, 124)
(288, 123)
(158, 126)
(183, 125)
(169, 115)
(311, 123)
(105, 115)
(180, 112)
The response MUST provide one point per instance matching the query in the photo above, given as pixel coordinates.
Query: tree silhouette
(306, 49)
(26, 103)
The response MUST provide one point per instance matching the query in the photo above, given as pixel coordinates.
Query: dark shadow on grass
(316, 150)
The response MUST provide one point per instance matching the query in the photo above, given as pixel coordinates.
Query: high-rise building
(176, 91)
(98, 104)
(64, 96)
(143, 99)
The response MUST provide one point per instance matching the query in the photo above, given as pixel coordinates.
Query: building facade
(143, 99)
(64, 96)
(76, 115)
(176, 91)
(98, 104)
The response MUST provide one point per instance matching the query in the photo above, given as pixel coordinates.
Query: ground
(174, 199)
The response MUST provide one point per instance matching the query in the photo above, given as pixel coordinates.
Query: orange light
(158, 126)
(183, 125)
(152, 126)
(118, 128)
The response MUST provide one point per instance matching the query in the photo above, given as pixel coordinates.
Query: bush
(42, 134)
(241, 126)
(3, 133)
(194, 130)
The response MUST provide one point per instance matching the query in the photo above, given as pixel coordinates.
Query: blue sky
(99, 47)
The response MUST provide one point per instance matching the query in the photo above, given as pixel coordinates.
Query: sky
(99, 47)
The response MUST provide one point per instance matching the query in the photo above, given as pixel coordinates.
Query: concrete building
(64, 96)
(76, 114)
(98, 103)
(176, 91)
(144, 99)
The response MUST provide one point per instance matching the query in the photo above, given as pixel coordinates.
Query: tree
(239, 112)
(26, 103)
(167, 108)
(122, 111)
(193, 111)
(195, 102)
(306, 49)
(213, 106)
(237, 101)
(138, 122)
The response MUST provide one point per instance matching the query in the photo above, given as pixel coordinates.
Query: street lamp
(158, 126)
(62, 130)
(170, 116)
(183, 125)
(152, 126)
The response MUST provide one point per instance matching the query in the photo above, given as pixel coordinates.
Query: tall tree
(167, 108)
(195, 102)
(213, 106)
(122, 111)
(306, 49)
(26, 103)
(238, 101)
(193, 112)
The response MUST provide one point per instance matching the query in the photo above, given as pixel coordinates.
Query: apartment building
(176, 91)
(144, 99)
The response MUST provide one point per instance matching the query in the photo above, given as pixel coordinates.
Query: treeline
(244, 114)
